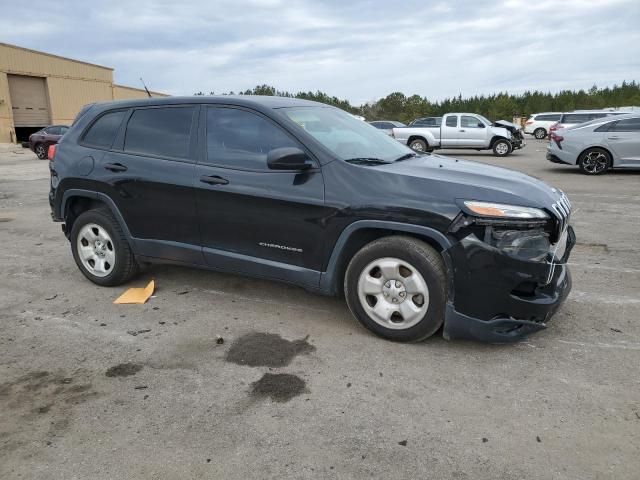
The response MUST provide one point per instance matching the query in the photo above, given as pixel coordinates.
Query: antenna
(145, 87)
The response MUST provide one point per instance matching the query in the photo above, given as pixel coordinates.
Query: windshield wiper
(406, 156)
(367, 161)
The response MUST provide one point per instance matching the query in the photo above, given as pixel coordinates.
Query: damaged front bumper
(496, 298)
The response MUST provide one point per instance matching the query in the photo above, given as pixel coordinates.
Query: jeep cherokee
(301, 192)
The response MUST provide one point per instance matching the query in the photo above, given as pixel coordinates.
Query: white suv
(538, 123)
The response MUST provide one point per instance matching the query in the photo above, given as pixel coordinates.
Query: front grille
(562, 209)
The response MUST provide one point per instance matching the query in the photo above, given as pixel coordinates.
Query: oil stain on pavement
(280, 387)
(266, 350)
(123, 370)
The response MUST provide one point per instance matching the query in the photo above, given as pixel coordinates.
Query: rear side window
(629, 125)
(452, 121)
(165, 132)
(547, 118)
(103, 131)
(53, 131)
(241, 139)
(577, 118)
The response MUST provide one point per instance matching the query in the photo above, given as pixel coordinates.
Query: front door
(473, 133)
(252, 219)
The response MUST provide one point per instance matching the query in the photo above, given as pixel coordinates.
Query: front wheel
(418, 145)
(502, 148)
(594, 161)
(395, 287)
(539, 133)
(101, 249)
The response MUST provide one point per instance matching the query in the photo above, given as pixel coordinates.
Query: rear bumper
(496, 298)
(555, 159)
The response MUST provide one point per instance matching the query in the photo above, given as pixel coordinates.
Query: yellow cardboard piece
(136, 295)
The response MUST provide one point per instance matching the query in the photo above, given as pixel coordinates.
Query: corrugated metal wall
(70, 85)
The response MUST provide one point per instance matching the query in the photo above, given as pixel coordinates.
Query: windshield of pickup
(346, 136)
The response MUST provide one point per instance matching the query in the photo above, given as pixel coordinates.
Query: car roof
(546, 113)
(609, 119)
(263, 101)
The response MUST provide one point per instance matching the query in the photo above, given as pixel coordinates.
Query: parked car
(599, 145)
(538, 124)
(387, 126)
(301, 192)
(461, 130)
(571, 119)
(40, 141)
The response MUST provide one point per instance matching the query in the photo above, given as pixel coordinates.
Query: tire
(41, 151)
(385, 274)
(418, 145)
(540, 133)
(502, 148)
(594, 161)
(101, 250)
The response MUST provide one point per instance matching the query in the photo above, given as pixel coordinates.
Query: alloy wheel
(393, 293)
(41, 152)
(595, 162)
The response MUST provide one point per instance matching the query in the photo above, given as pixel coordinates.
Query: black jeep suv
(300, 192)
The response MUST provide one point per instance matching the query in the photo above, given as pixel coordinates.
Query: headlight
(500, 210)
(528, 245)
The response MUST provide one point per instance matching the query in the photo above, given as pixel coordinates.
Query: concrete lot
(564, 404)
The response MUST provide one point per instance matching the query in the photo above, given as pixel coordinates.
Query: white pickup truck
(461, 130)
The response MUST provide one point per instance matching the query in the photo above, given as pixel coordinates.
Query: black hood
(457, 179)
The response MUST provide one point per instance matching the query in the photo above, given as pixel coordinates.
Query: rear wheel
(395, 287)
(101, 249)
(418, 145)
(539, 133)
(594, 161)
(502, 148)
(41, 151)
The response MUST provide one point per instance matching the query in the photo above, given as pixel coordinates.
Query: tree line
(398, 106)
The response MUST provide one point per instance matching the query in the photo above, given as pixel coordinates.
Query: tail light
(556, 138)
(528, 122)
(51, 153)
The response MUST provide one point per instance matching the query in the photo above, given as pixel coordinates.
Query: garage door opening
(22, 133)
(29, 104)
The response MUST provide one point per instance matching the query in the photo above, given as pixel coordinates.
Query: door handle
(115, 167)
(214, 180)
(462, 130)
(613, 138)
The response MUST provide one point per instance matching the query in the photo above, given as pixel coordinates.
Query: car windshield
(347, 137)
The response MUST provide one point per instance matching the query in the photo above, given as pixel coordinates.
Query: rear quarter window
(103, 131)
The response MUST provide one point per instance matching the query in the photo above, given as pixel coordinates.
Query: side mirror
(481, 125)
(288, 158)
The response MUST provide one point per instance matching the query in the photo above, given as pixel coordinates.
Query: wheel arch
(360, 233)
(599, 147)
(495, 138)
(418, 137)
(77, 201)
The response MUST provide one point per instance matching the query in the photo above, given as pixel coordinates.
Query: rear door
(252, 219)
(623, 137)
(449, 131)
(472, 132)
(149, 173)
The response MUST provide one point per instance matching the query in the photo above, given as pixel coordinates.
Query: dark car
(301, 192)
(40, 141)
(387, 126)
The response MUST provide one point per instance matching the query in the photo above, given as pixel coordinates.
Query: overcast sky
(355, 49)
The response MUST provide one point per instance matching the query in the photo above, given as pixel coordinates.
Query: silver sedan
(599, 145)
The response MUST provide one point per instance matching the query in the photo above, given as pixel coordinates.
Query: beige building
(39, 89)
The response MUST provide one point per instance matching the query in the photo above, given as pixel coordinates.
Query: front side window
(452, 121)
(470, 122)
(346, 137)
(241, 139)
(165, 132)
(548, 118)
(103, 132)
(577, 118)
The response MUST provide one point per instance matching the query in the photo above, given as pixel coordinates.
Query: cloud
(360, 50)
